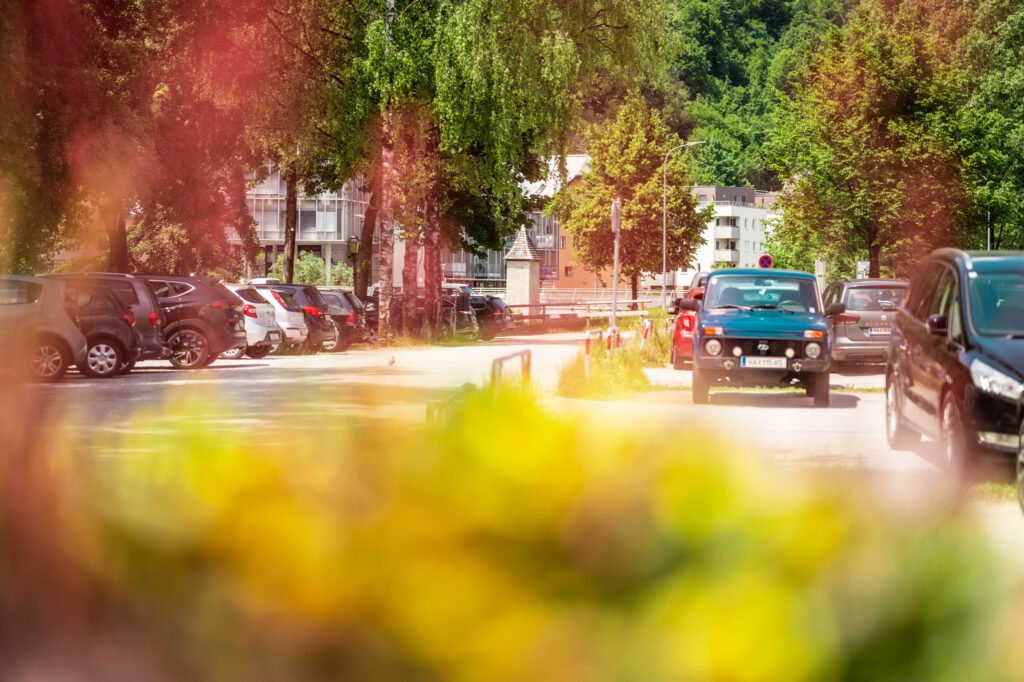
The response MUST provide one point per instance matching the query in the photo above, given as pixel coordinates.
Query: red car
(686, 320)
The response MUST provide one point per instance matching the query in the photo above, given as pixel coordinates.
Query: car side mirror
(689, 304)
(834, 309)
(698, 295)
(938, 325)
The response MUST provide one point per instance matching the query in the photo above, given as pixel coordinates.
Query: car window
(794, 294)
(997, 303)
(181, 288)
(124, 289)
(250, 295)
(18, 292)
(336, 299)
(874, 299)
(160, 288)
(314, 296)
(940, 302)
(285, 300)
(923, 290)
(353, 299)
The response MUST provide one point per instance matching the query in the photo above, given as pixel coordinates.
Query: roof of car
(762, 272)
(983, 261)
(880, 281)
(124, 275)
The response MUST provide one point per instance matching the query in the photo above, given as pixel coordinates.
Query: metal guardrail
(525, 358)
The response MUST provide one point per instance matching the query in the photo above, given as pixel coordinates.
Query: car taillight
(687, 323)
(154, 318)
(128, 318)
(249, 310)
(351, 319)
(847, 318)
(220, 305)
(313, 310)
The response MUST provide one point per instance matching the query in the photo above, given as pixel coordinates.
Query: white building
(735, 237)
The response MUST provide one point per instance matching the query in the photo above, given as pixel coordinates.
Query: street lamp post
(664, 218)
(353, 253)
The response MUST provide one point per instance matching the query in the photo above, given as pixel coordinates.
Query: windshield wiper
(764, 306)
(729, 305)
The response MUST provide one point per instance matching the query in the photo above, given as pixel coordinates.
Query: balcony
(727, 232)
(727, 256)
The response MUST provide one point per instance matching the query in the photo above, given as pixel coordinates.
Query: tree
(309, 268)
(860, 138)
(626, 162)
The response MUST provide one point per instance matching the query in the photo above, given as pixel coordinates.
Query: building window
(568, 271)
(561, 242)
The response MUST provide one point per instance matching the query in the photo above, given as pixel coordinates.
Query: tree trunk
(385, 289)
(409, 288)
(364, 260)
(431, 264)
(291, 219)
(874, 260)
(634, 289)
(119, 244)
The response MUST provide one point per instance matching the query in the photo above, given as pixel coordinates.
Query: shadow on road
(843, 401)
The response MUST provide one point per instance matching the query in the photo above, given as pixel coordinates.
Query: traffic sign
(765, 261)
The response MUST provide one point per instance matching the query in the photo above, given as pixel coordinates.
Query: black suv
(956, 357)
(149, 317)
(492, 315)
(316, 313)
(108, 327)
(204, 318)
(349, 315)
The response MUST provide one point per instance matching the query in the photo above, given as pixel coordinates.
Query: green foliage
(612, 375)
(311, 269)
(627, 156)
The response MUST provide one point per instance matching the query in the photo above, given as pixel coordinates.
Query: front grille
(776, 348)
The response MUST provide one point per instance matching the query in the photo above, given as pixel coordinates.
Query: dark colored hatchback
(956, 358)
(204, 318)
(349, 314)
(139, 298)
(109, 328)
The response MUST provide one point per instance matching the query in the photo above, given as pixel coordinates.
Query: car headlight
(713, 347)
(813, 350)
(991, 380)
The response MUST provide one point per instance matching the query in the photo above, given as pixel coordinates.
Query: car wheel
(233, 353)
(821, 389)
(47, 361)
(189, 349)
(127, 366)
(701, 389)
(258, 352)
(899, 435)
(953, 443)
(103, 359)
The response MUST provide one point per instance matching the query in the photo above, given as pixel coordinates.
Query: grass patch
(612, 375)
(991, 491)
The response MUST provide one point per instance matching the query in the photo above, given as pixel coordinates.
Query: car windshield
(869, 299)
(761, 292)
(250, 295)
(997, 303)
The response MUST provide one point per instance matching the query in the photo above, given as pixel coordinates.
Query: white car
(262, 331)
(290, 318)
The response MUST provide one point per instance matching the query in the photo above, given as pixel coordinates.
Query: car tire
(234, 353)
(958, 454)
(259, 352)
(701, 387)
(126, 367)
(103, 359)
(899, 435)
(48, 360)
(190, 349)
(821, 389)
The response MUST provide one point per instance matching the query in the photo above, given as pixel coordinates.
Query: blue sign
(765, 261)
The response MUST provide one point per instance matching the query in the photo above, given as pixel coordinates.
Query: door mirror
(938, 325)
(697, 294)
(834, 309)
(689, 304)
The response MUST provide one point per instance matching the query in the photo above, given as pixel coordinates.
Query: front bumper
(728, 370)
(993, 423)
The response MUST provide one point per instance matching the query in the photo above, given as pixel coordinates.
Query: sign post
(616, 229)
(819, 273)
(863, 269)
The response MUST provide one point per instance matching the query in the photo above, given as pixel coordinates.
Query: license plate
(763, 363)
(879, 331)
(274, 336)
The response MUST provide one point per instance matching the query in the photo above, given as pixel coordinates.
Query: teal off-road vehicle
(762, 328)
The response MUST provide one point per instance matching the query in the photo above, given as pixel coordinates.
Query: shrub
(612, 375)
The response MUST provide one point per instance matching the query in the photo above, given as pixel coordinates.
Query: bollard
(586, 360)
(608, 342)
(648, 325)
(618, 339)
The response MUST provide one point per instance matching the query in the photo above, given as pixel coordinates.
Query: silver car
(290, 318)
(862, 333)
(262, 332)
(36, 320)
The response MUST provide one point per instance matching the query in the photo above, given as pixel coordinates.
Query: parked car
(109, 328)
(492, 315)
(262, 332)
(685, 322)
(861, 334)
(203, 318)
(291, 319)
(956, 358)
(41, 339)
(349, 316)
(319, 324)
(762, 328)
(149, 316)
